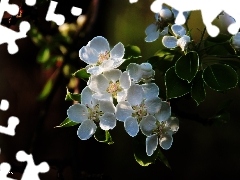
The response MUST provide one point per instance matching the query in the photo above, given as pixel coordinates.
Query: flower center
(139, 111)
(103, 56)
(114, 88)
(94, 113)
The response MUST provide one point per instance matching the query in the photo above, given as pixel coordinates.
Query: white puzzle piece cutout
(7, 35)
(209, 10)
(59, 19)
(12, 121)
(31, 171)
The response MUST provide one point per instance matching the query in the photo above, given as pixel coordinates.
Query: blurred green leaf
(82, 74)
(166, 54)
(175, 87)
(46, 90)
(132, 52)
(213, 48)
(186, 66)
(43, 55)
(198, 92)
(72, 96)
(103, 136)
(220, 77)
(67, 123)
(140, 153)
(160, 64)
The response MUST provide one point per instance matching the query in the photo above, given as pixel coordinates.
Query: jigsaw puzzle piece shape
(59, 19)
(31, 171)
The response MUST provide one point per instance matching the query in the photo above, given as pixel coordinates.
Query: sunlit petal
(86, 129)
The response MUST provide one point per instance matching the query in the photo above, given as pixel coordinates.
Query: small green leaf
(163, 159)
(140, 153)
(67, 123)
(43, 55)
(198, 92)
(72, 96)
(166, 54)
(160, 63)
(132, 52)
(175, 87)
(220, 77)
(103, 136)
(46, 90)
(82, 74)
(186, 66)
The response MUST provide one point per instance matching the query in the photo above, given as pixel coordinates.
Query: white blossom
(98, 56)
(110, 84)
(140, 72)
(160, 26)
(91, 112)
(141, 103)
(180, 39)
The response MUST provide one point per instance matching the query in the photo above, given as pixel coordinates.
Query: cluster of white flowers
(130, 97)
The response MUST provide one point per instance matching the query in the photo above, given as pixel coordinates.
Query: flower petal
(121, 95)
(151, 90)
(107, 65)
(173, 124)
(113, 74)
(86, 96)
(123, 110)
(164, 31)
(169, 41)
(98, 83)
(151, 144)
(107, 121)
(152, 33)
(135, 71)
(86, 129)
(153, 105)
(88, 55)
(178, 30)
(106, 106)
(103, 97)
(125, 80)
(135, 94)
(94, 70)
(166, 141)
(77, 113)
(165, 13)
(183, 42)
(164, 113)
(147, 125)
(131, 126)
(117, 52)
(100, 44)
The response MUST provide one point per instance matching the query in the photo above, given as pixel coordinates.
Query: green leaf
(140, 153)
(219, 39)
(43, 55)
(46, 90)
(220, 77)
(198, 92)
(163, 159)
(132, 52)
(238, 72)
(160, 64)
(186, 66)
(103, 136)
(166, 54)
(82, 74)
(175, 87)
(67, 123)
(72, 96)
(131, 55)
